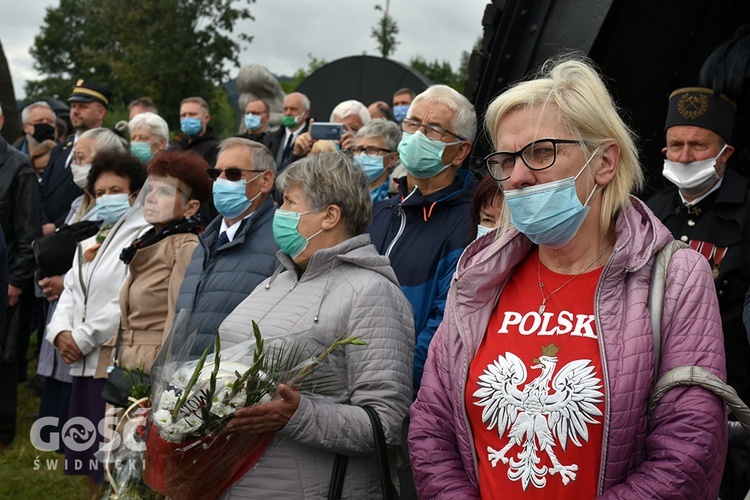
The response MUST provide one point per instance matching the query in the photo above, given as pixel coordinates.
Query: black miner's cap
(701, 107)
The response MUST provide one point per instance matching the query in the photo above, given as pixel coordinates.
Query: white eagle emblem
(535, 416)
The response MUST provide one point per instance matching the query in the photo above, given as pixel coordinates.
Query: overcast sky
(285, 31)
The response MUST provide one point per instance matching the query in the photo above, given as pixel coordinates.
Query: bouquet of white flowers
(189, 451)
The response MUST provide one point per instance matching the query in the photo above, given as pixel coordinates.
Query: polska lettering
(566, 323)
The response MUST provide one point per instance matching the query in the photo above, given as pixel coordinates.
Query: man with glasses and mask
(424, 227)
(709, 208)
(38, 125)
(237, 249)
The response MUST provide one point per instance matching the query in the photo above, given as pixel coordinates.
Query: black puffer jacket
(20, 213)
(206, 145)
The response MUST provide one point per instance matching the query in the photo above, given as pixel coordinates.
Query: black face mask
(43, 132)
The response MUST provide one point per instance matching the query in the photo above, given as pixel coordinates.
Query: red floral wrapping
(201, 468)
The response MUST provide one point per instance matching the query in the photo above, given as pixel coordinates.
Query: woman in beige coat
(177, 184)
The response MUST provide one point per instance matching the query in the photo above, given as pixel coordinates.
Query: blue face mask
(142, 151)
(110, 207)
(549, 214)
(287, 236)
(372, 165)
(230, 198)
(252, 122)
(422, 157)
(399, 112)
(482, 230)
(191, 126)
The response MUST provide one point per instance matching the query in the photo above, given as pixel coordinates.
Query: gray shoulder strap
(697, 375)
(656, 290)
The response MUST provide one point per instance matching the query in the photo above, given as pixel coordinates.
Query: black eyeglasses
(537, 155)
(371, 150)
(232, 174)
(435, 132)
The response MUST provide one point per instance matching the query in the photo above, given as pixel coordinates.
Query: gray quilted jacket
(348, 289)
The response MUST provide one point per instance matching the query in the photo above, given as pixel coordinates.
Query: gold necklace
(543, 306)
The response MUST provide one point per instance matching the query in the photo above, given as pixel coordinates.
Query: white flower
(239, 400)
(168, 400)
(163, 418)
(192, 423)
(221, 410)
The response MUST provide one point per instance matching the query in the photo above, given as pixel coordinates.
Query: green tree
(440, 72)
(166, 49)
(385, 32)
(289, 85)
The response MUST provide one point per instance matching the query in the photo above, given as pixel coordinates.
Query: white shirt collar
(232, 230)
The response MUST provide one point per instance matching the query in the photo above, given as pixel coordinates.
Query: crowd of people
(508, 338)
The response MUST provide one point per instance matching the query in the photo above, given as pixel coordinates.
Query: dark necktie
(223, 240)
(287, 151)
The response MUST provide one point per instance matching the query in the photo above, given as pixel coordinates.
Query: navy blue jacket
(58, 188)
(217, 280)
(424, 236)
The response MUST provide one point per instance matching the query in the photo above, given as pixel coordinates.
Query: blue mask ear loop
(582, 169)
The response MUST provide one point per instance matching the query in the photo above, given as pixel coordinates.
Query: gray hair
(332, 179)
(259, 154)
(384, 129)
(349, 108)
(197, 100)
(153, 122)
(465, 117)
(26, 113)
(105, 141)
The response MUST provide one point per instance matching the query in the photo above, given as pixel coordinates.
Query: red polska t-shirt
(535, 392)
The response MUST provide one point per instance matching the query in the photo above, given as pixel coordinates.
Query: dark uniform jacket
(719, 228)
(58, 188)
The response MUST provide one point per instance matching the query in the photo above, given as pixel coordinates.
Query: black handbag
(54, 252)
(120, 380)
(381, 452)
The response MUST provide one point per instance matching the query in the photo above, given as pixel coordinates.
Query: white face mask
(694, 177)
(80, 174)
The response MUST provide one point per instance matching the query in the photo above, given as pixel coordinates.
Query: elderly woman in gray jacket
(331, 282)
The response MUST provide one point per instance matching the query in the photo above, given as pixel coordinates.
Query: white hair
(26, 113)
(155, 123)
(104, 141)
(348, 108)
(465, 117)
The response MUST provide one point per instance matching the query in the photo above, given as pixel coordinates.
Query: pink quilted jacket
(678, 453)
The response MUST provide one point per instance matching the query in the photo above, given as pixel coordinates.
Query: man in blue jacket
(424, 227)
(237, 249)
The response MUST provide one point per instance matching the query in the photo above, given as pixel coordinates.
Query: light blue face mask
(110, 207)
(142, 151)
(422, 157)
(399, 112)
(286, 235)
(372, 165)
(482, 230)
(549, 214)
(230, 198)
(191, 126)
(252, 122)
